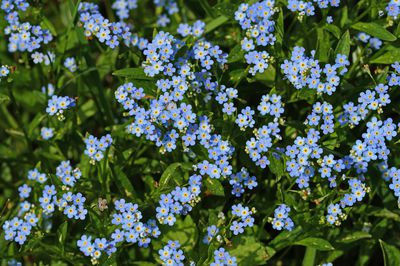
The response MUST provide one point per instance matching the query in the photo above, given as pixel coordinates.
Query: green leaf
(86, 110)
(207, 8)
(48, 25)
(344, 16)
(237, 74)
(236, 54)
(351, 237)
(134, 73)
(309, 257)
(335, 30)
(375, 30)
(149, 88)
(123, 182)
(75, 10)
(314, 242)
(215, 187)
(4, 99)
(366, 249)
(94, 81)
(35, 123)
(397, 32)
(185, 231)
(323, 45)
(343, 46)
(155, 32)
(226, 8)
(62, 233)
(286, 238)
(276, 165)
(280, 31)
(215, 23)
(210, 254)
(386, 56)
(171, 174)
(384, 213)
(143, 263)
(111, 260)
(303, 95)
(267, 77)
(391, 254)
(249, 251)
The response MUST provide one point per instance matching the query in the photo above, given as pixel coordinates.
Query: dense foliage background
(82, 64)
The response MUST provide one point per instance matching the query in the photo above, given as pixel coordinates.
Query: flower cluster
(48, 90)
(271, 105)
(322, 117)
(170, 6)
(70, 63)
(45, 58)
(197, 29)
(225, 97)
(123, 7)
(4, 71)
(245, 118)
(57, 104)
(95, 147)
(258, 147)
(373, 144)
(242, 180)
(110, 33)
(168, 105)
(14, 262)
(18, 229)
(127, 218)
(370, 100)
(171, 254)
(281, 218)
(222, 257)
(393, 175)
(394, 78)
(212, 232)
(257, 22)
(23, 35)
(245, 219)
(334, 212)
(179, 201)
(358, 191)
(126, 95)
(307, 8)
(168, 111)
(208, 55)
(94, 248)
(299, 153)
(160, 54)
(72, 204)
(306, 72)
(374, 43)
(370, 148)
(67, 175)
(35, 175)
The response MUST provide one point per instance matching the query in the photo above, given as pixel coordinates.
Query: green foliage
(136, 169)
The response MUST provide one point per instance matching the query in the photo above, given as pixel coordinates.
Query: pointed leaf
(375, 30)
(314, 242)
